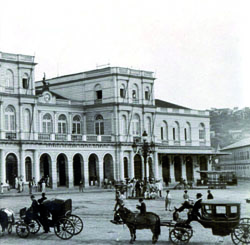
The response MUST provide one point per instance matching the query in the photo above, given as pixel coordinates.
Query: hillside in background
(229, 125)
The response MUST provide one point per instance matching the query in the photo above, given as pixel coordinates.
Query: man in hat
(141, 207)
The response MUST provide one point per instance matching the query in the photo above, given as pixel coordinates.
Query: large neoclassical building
(82, 126)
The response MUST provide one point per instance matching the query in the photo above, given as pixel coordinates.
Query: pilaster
(3, 169)
(70, 174)
(36, 169)
(121, 166)
(156, 165)
(22, 165)
(132, 168)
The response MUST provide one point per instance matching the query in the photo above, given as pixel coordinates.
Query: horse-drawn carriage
(222, 217)
(64, 223)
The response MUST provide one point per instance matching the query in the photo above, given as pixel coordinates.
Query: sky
(198, 49)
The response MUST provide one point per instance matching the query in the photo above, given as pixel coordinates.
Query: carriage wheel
(34, 226)
(241, 234)
(22, 230)
(77, 222)
(64, 228)
(180, 235)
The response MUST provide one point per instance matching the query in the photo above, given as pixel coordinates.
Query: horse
(138, 222)
(6, 219)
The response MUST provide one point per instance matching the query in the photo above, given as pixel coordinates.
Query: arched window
(62, 124)
(202, 132)
(47, 123)
(27, 122)
(148, 126)
(10, 119)
(9, 80)
(25, 81)
(76, 127)
(98, 92)
(136, 129)
(164, 131)
(135, 93)
(99, 125)
(187, 132)
(122, 91)
(176, 131)
(147, 93)
(124, 127)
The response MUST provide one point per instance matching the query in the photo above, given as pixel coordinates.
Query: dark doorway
(165, 170)
(93, 178)
(125, 162)
(28, 169)
(45, 166)
(108, 167)
(11, 169)
(61, 170)
(177, 168)
(138, 167)
(189, 168)
(203, 167)
(77, 169)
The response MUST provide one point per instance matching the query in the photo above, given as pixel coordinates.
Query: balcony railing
(106, 138)
(43, 136)
(76, 137)
(10, 136)
(61, 137)
(92, 138)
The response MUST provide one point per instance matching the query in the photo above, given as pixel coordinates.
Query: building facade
(237, 158)
(82, 126)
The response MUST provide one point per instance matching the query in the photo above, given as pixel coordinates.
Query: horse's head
(123, 212)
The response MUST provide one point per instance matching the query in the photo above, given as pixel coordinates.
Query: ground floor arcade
(92, 165)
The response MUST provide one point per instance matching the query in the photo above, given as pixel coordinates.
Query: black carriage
(222, 217)
(65, 223)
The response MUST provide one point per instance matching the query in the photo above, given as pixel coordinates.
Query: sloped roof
(165, 104)
(241, 143)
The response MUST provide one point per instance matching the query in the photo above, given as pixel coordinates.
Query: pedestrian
(8, 185)
(137, 188)
(47, 181)
(43, 186)
(1, 187)
(16, 183)
(209, 195)
(160, 188)
(81, 186)
(168, 201)
(186, 196)
(30, 187)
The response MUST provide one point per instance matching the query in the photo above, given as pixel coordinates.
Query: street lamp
(144, 150)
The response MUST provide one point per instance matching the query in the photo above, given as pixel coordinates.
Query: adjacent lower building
(237, 158)
(82, 127)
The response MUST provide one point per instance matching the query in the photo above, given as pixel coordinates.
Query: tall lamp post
(144, 149)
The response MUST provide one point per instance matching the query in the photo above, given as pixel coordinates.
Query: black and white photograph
(124, 122)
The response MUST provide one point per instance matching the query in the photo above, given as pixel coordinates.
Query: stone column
(132, 168)
(86, 173)
(156, 165)
(54, 173)
(121, 166)
(171, 170)
(100, 172)
(22, 165)
(196, 168)
(183, 169)
(3, 169)
(36, 166)
(70, 174)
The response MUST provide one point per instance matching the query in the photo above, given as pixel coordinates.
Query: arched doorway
(165, 170)
(108, 170)
(77, 169)
(138, 166)
(177, 168)
(125, 162)
(28, 169)
(203, 167)
(61, 170)
(45, 166)
(11, 169)
(93, 170)
(189, 168)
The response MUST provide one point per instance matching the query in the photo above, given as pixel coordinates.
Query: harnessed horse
(138, 222)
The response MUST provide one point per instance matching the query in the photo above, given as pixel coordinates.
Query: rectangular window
(122, 93)
(78, 128)
(201, 134)
(146, 95)
(99, 94)
(162, 133)
(102, 128)
(173, 133)
(74, 129)
(25, 83)
(185, 133)
(6, 122)
(220, 209)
